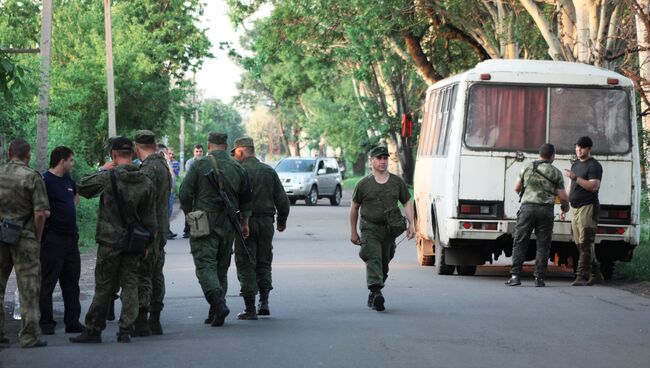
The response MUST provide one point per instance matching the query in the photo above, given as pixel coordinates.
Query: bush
(639, 268)
(87, 223)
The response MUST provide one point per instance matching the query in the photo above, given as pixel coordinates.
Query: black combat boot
(263, 307)
(249, 314)
(513, 281)
(221, 311)
(539, 282)
(141, 325)
(208, 320)
(154, 323)
(378, 301)
(370, 296)
(88, 337)
(124, 336)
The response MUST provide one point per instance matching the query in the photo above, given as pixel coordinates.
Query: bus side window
(450, 120)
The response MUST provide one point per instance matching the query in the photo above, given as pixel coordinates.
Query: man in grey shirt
(198, 153)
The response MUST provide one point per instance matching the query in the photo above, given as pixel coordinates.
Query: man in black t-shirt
(585, 174)
(60, 260)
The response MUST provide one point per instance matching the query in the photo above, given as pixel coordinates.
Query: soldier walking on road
(151, 290)
(115, 265)
(537, 184)
(60, 259)
(376, 196)
(23, 209)
(211, 232)
(268, 196)
(585, 174)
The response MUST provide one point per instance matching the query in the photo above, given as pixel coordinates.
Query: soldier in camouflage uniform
(376, 193)
(538, 183)
(268, 195)
(151, 290)
(212, 253)
(23, 197)
(114, 266)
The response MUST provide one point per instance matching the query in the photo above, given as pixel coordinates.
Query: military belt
(538, 204)
(382, 223)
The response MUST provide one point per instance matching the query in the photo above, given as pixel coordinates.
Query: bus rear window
(601, 114)
(506, 117)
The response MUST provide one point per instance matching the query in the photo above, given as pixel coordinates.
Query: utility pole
(112, 131)
(44, 89)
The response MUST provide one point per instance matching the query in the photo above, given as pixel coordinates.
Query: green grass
(639, 268)
(351, 182)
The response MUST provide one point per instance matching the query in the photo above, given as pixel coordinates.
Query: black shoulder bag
(137, 236)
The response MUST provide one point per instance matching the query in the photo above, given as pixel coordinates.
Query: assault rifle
(232, 214)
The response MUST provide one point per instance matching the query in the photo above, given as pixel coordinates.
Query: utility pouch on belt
(395, 221)
(199, 224)
(10, 231)
(137, 236)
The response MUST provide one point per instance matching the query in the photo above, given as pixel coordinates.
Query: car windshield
(295, 166)
(508, 117)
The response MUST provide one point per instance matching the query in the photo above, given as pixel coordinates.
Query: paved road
(319, 316)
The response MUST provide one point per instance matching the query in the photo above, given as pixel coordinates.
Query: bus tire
(440, 266)
(469, 270)
(607, 269)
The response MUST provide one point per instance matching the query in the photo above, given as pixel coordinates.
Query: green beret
(145, 137)
(243, 142)
(379, 151)
(218, 138)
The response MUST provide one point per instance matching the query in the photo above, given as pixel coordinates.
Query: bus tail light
(607, 230)
(479, 209)
(615, 214)
(612, 81)
(479, 225)
(486, 76)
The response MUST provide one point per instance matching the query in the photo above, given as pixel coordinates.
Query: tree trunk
(422, 63)
(643, 39)
(554, 46)
(359, 166)
(44, 90)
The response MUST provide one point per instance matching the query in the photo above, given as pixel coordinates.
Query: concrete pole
(44, 90)
(112, 131)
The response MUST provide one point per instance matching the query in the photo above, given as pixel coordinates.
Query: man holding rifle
(216, 197)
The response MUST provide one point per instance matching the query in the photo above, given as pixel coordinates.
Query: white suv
(311, 179)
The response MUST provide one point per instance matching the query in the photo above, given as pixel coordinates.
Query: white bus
(478, 130)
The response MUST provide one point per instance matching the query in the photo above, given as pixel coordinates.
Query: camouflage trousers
(151, 285)
(255, 274)
(377, 250)
(584, 224)
(540, 219)
(24, 257)
(212, 255)
(113, 270)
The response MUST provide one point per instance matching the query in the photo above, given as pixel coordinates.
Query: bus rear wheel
(466, 270)
(440, 266)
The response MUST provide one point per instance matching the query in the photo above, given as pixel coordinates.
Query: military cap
(379, 151)
(243, 142)
(121, 144)
(584, 142)
(218, 138)
(145, 137)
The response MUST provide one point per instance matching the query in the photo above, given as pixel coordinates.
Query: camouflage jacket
(22, 191)
(268, 193)
(540, 186)
(137, 194)
(156, 169)
(197, 193)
